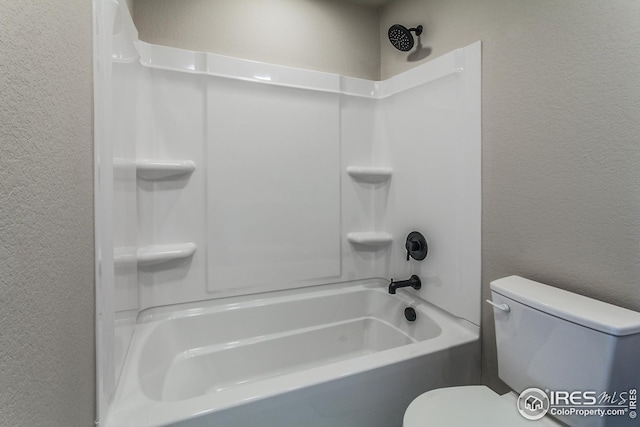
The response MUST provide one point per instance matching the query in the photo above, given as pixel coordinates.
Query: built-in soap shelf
(125, 255)
(370, 174)
(163, 169)
(153, 254)
(370, 239)
(151, 170)
(373, 175)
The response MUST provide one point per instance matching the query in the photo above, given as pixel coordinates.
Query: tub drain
(410, 314)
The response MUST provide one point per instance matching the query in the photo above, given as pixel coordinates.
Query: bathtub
(331, 356)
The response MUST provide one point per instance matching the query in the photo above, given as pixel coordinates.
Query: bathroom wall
(276, 203)
(47, 365)
(325, 35)
(271, 205)
(431, 136)
(560, 109)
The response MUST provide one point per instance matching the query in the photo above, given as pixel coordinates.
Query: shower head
(401, 37)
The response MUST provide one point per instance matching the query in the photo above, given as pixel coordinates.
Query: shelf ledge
(370, 174)
(156, 254)
(125, 255)
(160, 169)
(372, 239)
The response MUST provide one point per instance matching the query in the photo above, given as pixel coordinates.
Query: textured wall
(560, 134)
(46, 214)
(324, 35)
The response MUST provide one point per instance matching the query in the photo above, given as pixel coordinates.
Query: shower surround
(220, 178)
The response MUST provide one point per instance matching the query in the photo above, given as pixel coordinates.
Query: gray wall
(324, 35)
(47, 366)
(560, 135)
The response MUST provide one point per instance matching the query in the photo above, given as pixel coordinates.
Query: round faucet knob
(416, 246)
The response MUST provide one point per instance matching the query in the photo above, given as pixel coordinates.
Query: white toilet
(570, 347)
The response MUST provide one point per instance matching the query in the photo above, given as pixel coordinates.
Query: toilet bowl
(550, 343)
(468, 406)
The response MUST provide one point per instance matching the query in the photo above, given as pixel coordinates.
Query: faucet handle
(411, 246)
(416, 246)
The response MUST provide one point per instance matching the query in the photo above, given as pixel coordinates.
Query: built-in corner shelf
(371, 239)
(152, 254)
(156, 254)
(370, 174)
(161, 169)
(125, 255)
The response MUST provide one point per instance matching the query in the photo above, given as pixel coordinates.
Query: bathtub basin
(332, 356)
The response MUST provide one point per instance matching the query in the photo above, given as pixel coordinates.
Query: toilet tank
(560, 341)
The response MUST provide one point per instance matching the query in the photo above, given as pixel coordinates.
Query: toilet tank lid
(588, 312)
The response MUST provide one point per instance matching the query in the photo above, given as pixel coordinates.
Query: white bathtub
(331, 356)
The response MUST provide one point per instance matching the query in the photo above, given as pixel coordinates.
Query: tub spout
(413, 281)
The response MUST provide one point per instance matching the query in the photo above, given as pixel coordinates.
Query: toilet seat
(466, 406)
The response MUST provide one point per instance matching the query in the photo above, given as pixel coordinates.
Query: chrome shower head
(401, 37)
